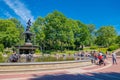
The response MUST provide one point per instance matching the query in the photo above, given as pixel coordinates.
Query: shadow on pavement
(86, 76)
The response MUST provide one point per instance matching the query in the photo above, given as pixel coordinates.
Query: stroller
(101, 59)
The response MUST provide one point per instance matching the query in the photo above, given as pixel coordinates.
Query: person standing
(114, 58)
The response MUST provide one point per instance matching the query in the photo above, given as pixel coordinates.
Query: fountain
(28, 47)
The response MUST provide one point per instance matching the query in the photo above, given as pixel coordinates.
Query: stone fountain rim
(42, 63)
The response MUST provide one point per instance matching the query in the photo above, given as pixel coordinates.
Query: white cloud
(20, 9)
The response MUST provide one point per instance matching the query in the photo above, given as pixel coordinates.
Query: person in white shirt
(114, 58)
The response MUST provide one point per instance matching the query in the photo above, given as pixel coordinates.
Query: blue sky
(98, 12)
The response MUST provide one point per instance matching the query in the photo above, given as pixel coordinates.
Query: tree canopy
(8, 33)
(106, 36)
(57, 32)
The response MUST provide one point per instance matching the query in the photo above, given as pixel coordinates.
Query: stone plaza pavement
(93, 72)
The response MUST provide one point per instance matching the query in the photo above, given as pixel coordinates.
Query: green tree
(57, 31)
(118, 40)
(38, 28)
(9, 35)
(106, 36)
(20, 28)
(84, 34)
(91, 28)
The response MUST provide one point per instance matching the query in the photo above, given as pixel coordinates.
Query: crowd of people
(98, 57)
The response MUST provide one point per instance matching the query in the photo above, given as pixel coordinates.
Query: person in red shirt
(100, 57)
(101, 61)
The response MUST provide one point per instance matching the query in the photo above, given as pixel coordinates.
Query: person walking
(114, 58)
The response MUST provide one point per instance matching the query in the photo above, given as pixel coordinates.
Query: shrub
(8, 51)
(52, 59)
(93, 47)
(1, 58)
(1, 47)
(103, 50)
(113, 47)
(37, 51)
(46, 59)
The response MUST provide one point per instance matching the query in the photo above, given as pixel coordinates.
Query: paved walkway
(94, 72)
